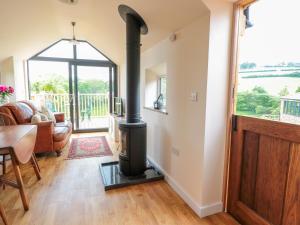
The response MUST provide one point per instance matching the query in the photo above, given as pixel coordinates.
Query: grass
(247, 113)
(253, 114)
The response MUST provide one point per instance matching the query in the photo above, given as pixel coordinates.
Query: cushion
(31, 105)
(36, 118)
(67, 124)
(48, 113)
(43, 116)
(60, 133)
(64, 124)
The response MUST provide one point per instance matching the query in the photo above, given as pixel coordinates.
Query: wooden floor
(71, 193)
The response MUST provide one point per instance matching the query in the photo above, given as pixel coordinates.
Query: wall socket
(175, 151)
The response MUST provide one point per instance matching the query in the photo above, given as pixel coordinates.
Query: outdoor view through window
(269, 62)
(49, 82)
(75, 80)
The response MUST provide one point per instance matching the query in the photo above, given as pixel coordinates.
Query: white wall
(13, 74)
(21, 80)
(7, 74)
(183, 127)
(216, 99)
(198, 61)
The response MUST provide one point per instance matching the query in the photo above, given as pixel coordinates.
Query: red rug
(89, 147)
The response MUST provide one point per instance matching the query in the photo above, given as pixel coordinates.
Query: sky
(40, 69)
(275, 36)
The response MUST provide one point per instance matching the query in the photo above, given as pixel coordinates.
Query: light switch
(194, 97)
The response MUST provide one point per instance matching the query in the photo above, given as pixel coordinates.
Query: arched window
(76, 79)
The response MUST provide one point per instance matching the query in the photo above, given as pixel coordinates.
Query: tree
(258, 102)
(51, 83)
(36, 87)
(284, 91)
(298, 90)
(93, 86)
(259, 90)
(247, 65)
(57, 84)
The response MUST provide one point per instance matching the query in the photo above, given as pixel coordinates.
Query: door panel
(249, 168)
(271, 178)
(292, 198)
(264, 180)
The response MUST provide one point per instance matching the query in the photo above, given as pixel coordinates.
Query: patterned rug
(89, 147)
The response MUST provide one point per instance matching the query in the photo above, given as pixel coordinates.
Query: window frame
(159, 80)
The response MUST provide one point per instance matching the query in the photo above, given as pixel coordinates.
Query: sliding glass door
(91, 91)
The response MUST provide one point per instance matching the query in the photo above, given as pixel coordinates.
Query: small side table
(19, 141)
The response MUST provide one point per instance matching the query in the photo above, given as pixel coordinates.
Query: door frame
(232, 90)
(73, 73)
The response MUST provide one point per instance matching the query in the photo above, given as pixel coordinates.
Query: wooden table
(19, 142)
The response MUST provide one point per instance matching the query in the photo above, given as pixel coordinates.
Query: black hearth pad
(112, 178)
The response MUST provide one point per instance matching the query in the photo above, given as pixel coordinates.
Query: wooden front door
(264, 177)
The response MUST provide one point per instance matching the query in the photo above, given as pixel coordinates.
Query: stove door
(124, 142)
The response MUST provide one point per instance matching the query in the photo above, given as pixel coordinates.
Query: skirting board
(201, 211)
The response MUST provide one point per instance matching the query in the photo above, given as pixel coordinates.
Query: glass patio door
(91, 88)
(51, 88)
(77, 80)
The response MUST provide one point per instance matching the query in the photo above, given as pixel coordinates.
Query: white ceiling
(26, 27)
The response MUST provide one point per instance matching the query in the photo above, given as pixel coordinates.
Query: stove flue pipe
(135, 26)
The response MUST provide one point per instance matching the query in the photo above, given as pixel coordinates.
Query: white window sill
(163, 111)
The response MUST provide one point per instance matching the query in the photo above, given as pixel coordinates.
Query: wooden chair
(5, 120)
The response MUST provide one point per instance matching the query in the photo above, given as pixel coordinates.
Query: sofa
(51, 137)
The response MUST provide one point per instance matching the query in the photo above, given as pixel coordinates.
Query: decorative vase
(4, 100)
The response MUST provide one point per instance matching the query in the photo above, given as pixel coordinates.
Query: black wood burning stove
(133, 130)
(133, 148)
(132, 167)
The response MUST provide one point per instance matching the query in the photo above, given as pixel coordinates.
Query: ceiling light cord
(73, 25)
(74, 41)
